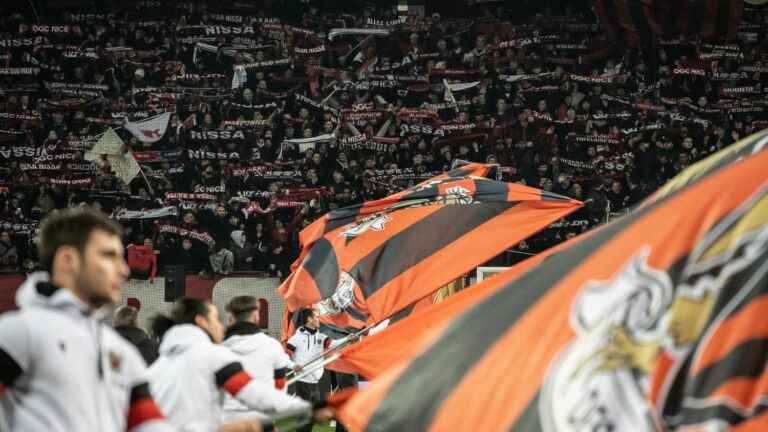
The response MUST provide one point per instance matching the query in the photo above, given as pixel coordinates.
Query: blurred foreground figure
(193, 373)
(61, 368)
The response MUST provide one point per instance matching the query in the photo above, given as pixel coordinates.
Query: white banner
(462, 86)
(148, 214)
(149, 130)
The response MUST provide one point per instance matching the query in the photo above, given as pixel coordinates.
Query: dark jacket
(242, 328)
(146, 346)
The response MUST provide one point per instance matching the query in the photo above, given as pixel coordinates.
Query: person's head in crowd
(234, 221)
(221, 212)
(208, 172)
(308, 318)
(338, 177)
(591, 151)
(82, 251)
(317, 158)
(576, 191)
(290, 131)
(126, 316)
(190, 218)
(187, 310)
(327, 127)
(5, 237)
(307, 133)
(243, 309)
(687, 143)
(501, 106)
(261, 86)
(186, 244)
(208, 120)
(616, 187)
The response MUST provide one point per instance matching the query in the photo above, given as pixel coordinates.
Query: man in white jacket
(262, 356)
(61, 368)
(194, 373)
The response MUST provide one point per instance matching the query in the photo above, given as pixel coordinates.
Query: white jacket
(64, 370)
(192, 374)
(306, 345)
(263, 358)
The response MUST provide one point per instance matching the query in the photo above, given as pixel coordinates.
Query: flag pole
(141, 170)
(309, 371)
(343, 344)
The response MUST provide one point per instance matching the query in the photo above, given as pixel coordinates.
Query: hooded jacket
(139, 338)
(262, 357)
(192, 376)
(63, 370)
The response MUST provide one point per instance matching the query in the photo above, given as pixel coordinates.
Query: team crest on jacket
(115, 361)
(376, 222)
(634, 332)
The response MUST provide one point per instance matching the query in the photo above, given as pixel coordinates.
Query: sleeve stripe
(279, 383)
(236, 383)
(228, 371)
(290, 347)
(10, 370)
(143, 407)
(143, 411)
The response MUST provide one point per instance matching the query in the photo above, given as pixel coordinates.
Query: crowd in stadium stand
(277, 119)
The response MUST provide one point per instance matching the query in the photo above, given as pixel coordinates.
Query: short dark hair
(71, 227)
(303, 316)
(184, 311)
(126, 316)
(241, 307)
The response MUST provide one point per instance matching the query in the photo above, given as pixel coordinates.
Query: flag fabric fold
(372, 260)
(652, 322)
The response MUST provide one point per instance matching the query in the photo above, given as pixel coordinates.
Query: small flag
(149, 130)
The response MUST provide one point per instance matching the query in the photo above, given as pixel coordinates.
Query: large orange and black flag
(407, 246)
(374, 354)
(344, 216)
(653, 322)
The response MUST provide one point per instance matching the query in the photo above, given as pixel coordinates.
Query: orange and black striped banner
(653, 322)
(373, 260)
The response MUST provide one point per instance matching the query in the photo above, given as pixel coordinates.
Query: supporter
(142, 260)
(192, 259)
(222, 260)
(126, 325)
(541, 110)
(9, 256)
